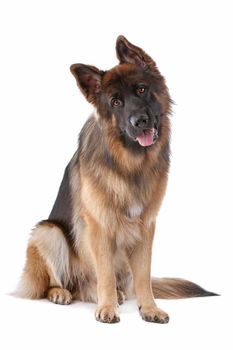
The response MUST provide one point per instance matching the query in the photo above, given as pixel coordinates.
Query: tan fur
(53, 249)
(126, 161)
(35, 279)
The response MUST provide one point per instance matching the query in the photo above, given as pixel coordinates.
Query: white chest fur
(135, 211)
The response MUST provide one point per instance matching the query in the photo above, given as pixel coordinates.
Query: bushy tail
(177, 288)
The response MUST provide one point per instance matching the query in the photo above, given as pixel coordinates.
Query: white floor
(202, 323)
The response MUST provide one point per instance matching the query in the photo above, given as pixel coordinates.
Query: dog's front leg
(102, 251)
(140, 262)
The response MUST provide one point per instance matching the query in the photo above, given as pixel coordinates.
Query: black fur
(61, 213)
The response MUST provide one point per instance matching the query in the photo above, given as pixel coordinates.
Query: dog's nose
(139, 121)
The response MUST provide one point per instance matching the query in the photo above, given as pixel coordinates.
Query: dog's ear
(88, 79)
(129, 53)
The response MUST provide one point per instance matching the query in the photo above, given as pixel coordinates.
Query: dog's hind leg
(47, 269)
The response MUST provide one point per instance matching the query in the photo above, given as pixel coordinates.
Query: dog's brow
(114, 94)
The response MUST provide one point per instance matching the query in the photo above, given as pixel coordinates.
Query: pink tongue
(146, 138)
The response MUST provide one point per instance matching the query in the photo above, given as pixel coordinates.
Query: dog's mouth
(148, 137)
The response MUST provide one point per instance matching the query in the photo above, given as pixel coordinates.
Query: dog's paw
(120, 297)
(107, 314)
(59, 296)
(153, 314)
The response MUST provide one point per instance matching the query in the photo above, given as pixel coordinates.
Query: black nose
(139, 121)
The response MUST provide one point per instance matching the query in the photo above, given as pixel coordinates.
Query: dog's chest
(131, 193)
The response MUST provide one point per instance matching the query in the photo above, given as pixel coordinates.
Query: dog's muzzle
(147, 135)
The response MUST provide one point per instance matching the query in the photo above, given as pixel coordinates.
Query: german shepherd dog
(96, 244)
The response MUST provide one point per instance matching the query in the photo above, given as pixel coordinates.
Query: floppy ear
(88, 79)
(129, 53)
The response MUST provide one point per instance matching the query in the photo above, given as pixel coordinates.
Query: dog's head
(132, 96)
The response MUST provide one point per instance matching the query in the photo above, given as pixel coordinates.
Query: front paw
(153, 314)
(107, 314)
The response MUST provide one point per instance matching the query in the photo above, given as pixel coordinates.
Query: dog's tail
(177, 288)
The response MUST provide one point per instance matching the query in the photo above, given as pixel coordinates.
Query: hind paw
(59, 296)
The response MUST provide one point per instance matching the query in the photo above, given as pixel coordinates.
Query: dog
(96, 244)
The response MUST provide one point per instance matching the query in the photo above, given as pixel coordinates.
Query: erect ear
(88, 79)
(129, 53)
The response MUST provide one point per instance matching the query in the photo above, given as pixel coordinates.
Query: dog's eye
(141, 90)
(116, 102)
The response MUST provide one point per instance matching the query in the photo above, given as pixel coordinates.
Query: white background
(41, 114)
